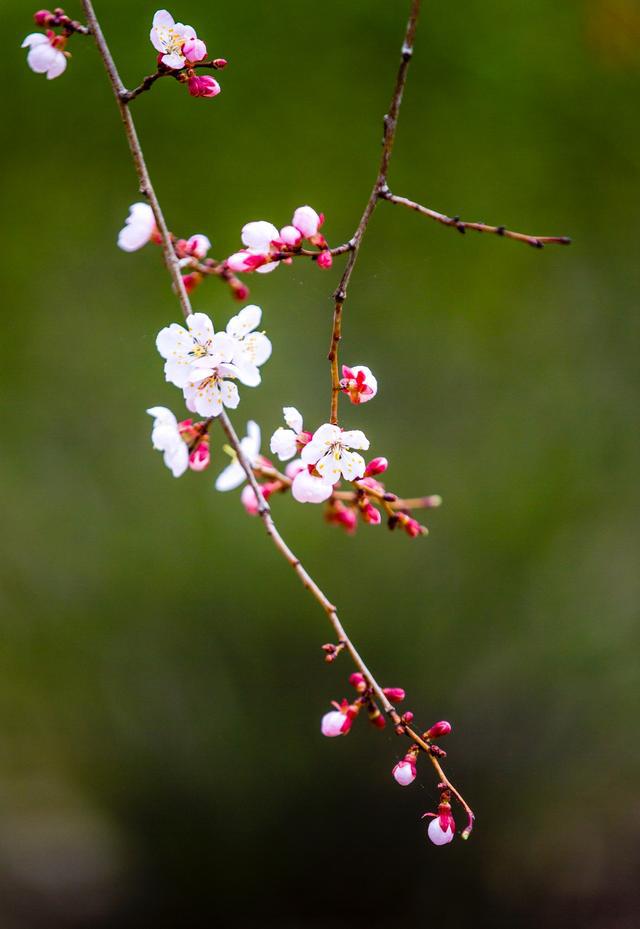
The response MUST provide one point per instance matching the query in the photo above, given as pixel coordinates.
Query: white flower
(198, 245)
(258, 236)
(168, 37)
(138, 228)
(194, 351)
(44, 57)
(359, 383)
(234, 474)
(284, 442)
(166, 438)
(306, 488)
(328, 451)
(335, 723)
(252, 348)
(306, 221)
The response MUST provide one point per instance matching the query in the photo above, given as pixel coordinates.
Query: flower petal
(354, 438)
(292, 418)
(232, 476)
(246, 321)
(259, 234)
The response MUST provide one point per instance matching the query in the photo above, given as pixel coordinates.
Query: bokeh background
(160, 756)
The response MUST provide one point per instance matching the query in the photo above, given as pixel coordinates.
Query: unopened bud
(394, 694)
(438, 730)
(370, 514)
(220, 63)
(358, 681)
(335, 723)
(43, 17)
(405, 771)
(324, 259)
(376, 466)
(376, 718)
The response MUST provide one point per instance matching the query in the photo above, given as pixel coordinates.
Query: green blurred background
(162, 684)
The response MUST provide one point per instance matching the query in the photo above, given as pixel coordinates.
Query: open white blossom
(234, 475)
(284, 442)
(138, 228)
(165, 437)
(329, 451)
(252, 348)
(44, 56)
(168, 37)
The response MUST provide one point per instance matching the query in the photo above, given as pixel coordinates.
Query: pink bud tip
(324, 259)
(407, 717)
(395, 694)
(438, 730)
(405, 772)
(43, 17)
(194, 49)
(357, 680)
(437, 834)
(220, 63)
(376, 466)
(371, 515)
(377, 719)
(199, 457)
(203, 86)
(240, 291)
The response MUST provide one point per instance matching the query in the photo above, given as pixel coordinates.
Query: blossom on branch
(165, 437)
(286, 443)
(329, 452)
(203, 85)
(175, 42)
(307, 488)
(358, 383)
(264, 242)
(46, 55)
(139, 228)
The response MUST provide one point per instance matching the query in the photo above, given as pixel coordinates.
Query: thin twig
(216, 64)
(390, 124)
(537, 241)
(263, 507)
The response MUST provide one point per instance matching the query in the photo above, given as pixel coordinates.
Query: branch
(264, 512)
(537, 241)
(217, 64)
(390, 124)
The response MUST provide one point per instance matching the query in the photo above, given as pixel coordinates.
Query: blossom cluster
(47, 50)
(266, 246)
(180, 48)
(340, 719)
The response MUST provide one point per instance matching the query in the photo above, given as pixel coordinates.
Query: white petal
(312, 452)
(259, 235)
(266, 269)
(174, 60)
(354, 438)
(162, 415)
(163, 18)
(35, 38)
(253, 439)
(177, 459)
(283, 443)
(352, 465)
(329, 466)
(222, 347)
(232, 476)
(437, 834)
(309, 489)
(327, 434)
(200, 327)
(57, 66)
(306, 221)
(292, 418)
(245, 322)
(174, 342)
(41, 57)
(230, 395)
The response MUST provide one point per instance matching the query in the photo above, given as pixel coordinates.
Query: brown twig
(390, 123)
(217, 64)
(179, 288)
(537, 241)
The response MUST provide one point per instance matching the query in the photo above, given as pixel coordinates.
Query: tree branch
(263, 507)
(537, 241)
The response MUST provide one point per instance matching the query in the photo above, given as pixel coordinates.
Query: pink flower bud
(290, 236)
(335, 723)
(438, 730)
(203, 86)
(358, 383)
(294, 468)
(324, 259)
(194, 49)
(306, 221)
(199, 457)
(43, 17)
(245, 260)
(249, 500)
(405, 771)
(198, 245)
(376, 718)
(370, 514)
(191, 281)
(219, 63)
(394, 694)
(358, 681)
(376, 466)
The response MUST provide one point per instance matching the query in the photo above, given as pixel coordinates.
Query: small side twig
(536, 241)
